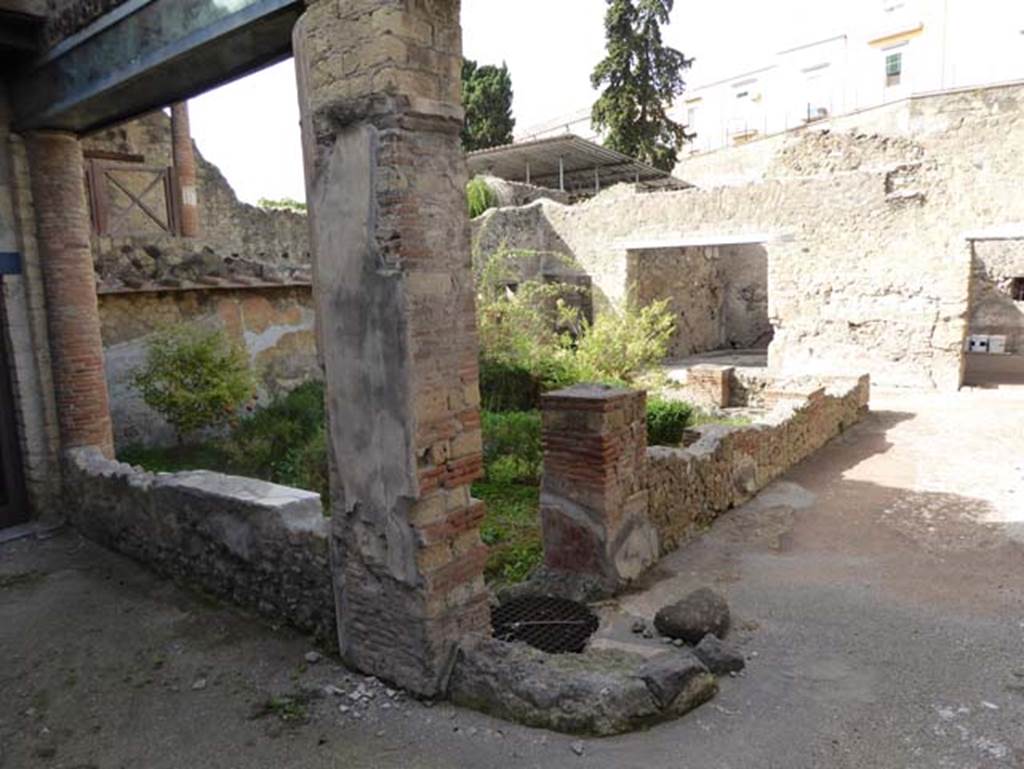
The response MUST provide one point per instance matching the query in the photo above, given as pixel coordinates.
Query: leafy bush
(507, 387)
(512, 446)
(194, 377)
(511, 530)
(617, 348)
(666, 421)
(479, 197)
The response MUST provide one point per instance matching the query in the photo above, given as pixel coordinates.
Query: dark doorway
(13, 505)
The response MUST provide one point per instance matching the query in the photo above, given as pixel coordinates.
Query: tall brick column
(593, 501)
(379, 89)
(185, 168)
(56, 168)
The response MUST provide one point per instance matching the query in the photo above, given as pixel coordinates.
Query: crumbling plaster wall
(993, 310)
(274, 324)
(868, 268)
(718, 294)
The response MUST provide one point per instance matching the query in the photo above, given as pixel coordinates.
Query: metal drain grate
(554, 625)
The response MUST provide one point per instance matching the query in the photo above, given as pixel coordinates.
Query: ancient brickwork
(254, 543)
(275, 325)
(379, 86)
(689, 487)
(62, 232)
(593, 502)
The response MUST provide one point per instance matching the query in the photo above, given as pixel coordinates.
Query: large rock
(701, 612)
(720, 657)
(678, 680)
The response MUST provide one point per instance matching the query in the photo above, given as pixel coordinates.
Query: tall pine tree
(642, 77)
(487, 99)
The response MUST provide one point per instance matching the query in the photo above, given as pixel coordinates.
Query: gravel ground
(876, 591)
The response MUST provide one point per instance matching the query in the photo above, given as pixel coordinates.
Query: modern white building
(885, 50)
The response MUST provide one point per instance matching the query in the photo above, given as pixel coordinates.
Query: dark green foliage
(642, 78)
(666, 420)
(506, 387)
(511, 530)
(194, 377)
(283, 443)
(479, 197)
(487, 99)
(512, 446)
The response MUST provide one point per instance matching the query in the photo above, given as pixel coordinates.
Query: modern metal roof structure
(567, 163)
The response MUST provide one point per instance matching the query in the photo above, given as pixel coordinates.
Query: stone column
(379, 91)
(185, 169)
(56, 169)
(593, 501)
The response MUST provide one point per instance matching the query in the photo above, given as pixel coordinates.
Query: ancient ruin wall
(998, 269)
(274, 324)
(688, 488)
(257, 544)
(868, 268)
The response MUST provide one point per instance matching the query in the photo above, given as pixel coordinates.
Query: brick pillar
(63, 233)
(593, 501)
(379, 90)
(185, 169)
(710, 385)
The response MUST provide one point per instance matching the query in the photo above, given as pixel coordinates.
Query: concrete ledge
(258, 544)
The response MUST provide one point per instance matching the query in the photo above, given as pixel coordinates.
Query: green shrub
(666, 421)
(618, 348)
(194, 377)
(512, 446)
(479, 197)
(507, 387)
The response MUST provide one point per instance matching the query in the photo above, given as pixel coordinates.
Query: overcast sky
(249, 128)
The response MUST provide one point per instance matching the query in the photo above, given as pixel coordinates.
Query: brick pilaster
(379, 84)
(63, 236)
(185, 169)
(594, 497)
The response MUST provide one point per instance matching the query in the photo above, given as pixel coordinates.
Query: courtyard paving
(876, 590)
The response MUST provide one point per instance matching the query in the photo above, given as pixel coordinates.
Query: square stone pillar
(593, 499)
(379, 90)
(710, 385)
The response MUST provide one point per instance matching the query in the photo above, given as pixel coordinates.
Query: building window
(893, 68)
(1017, 289)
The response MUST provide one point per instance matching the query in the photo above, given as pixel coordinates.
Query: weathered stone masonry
(379, 87)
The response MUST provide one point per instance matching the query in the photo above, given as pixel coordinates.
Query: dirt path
(877, 589)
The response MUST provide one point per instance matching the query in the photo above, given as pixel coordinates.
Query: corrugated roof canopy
(564, 162)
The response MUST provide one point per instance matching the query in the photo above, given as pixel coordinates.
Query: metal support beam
(146, 54)
(527, 172)
(561, 173)
(597, 180)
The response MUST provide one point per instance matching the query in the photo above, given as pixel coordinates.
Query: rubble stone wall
(257, 544)
(275, 324)
(689, 487)
(868, 266)
(235, 239)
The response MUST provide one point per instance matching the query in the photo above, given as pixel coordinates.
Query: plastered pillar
(65, 255)
(185, 169)
(379, 90)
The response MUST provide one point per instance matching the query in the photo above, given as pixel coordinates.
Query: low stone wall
(254, 543)
(689, 487)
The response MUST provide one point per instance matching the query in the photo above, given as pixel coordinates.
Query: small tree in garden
(620, 347)
(194, 377)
